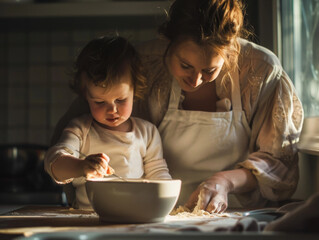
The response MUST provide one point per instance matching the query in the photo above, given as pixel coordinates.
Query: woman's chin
(188, 88)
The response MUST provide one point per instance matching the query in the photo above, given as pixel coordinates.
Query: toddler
(108, 75)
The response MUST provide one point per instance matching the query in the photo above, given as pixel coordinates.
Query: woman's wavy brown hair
(104, 61)
(213, 24)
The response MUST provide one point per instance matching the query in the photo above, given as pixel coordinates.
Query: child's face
(112, 107)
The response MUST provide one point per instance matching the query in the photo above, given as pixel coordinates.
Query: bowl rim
(131, 180)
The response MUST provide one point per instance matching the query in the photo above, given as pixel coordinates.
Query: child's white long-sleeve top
(134, 154)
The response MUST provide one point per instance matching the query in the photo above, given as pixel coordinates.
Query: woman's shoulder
(152, 53)
(155, 46)
(157, 74)
(257, 54)
(258, 66)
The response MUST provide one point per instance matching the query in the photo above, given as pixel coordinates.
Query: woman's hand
(211, 195)
(96, 166)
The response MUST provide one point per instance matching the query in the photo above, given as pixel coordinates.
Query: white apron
(198, 144)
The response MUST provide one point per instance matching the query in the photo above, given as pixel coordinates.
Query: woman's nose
(196, 79)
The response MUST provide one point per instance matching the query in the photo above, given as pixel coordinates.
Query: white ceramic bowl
(133, 201)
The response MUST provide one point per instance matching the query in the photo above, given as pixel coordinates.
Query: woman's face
(112, 107)
(193, 66)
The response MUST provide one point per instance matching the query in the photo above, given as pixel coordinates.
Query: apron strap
(175, 95)
(235, 92)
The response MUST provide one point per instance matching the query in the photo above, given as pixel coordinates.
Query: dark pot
(18, 160)
(22, 169)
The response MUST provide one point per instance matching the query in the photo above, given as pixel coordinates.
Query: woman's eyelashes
(209, 72)
(206, 71)
(185, 66)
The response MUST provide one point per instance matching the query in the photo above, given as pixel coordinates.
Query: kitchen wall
(36, 57)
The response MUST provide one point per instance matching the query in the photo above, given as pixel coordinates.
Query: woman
(227, 112)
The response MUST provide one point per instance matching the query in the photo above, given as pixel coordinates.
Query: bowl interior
(134, 200)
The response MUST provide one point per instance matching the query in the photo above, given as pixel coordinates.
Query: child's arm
(63, 163)
(155, 166)
(67, 167)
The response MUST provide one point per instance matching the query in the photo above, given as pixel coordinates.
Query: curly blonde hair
(104, 60)
(213, 24)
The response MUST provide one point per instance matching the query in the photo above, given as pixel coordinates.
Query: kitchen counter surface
(40, 222)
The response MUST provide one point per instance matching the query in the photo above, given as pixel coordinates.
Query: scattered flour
(184, 212)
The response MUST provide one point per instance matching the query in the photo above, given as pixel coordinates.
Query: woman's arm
(273, 157)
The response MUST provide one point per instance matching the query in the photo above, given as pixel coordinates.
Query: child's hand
(96, 166)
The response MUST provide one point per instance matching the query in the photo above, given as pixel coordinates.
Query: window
(298, 29)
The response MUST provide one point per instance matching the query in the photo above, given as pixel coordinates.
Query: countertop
(39, 222)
